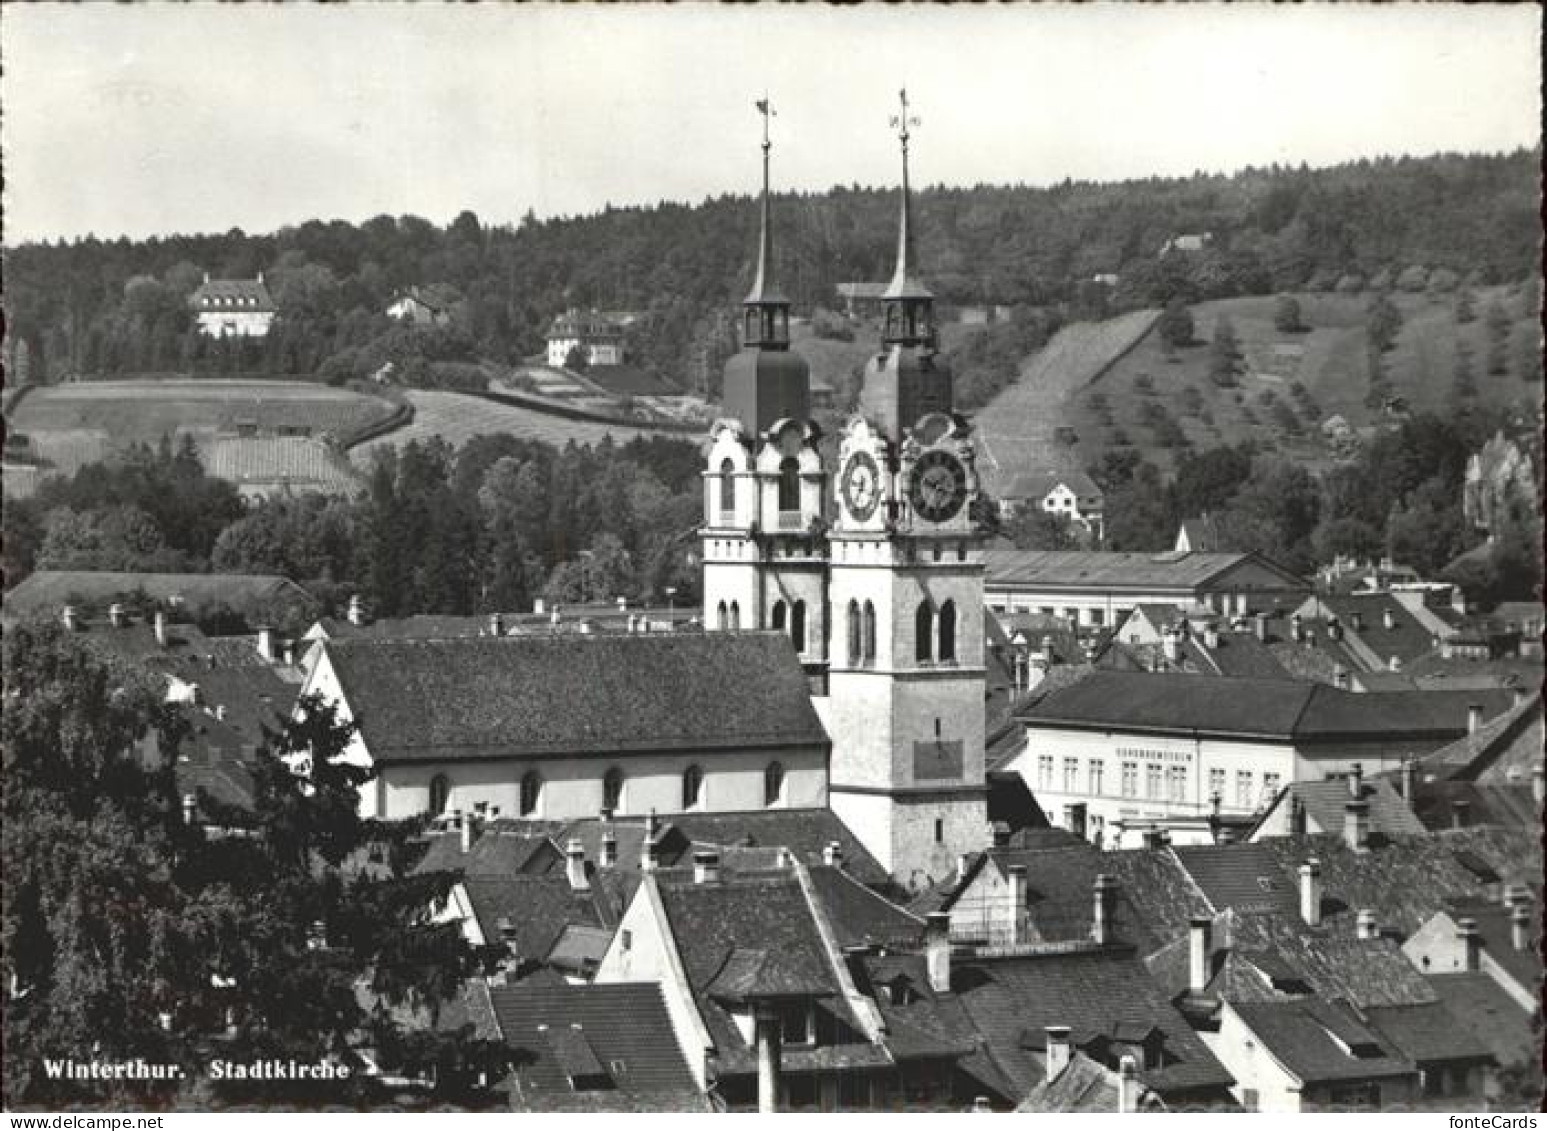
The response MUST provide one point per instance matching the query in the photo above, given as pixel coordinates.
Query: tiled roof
(536, 908)
(1242, 877)
(1489, 1013)
(1267, 708)
(1037, 485)
(497, 851)
(1160, 890)
(1407, 639)
(858, 916)
(1428, 1033)
(48, 591)
(1326, 804)
(1084, 1086)
(1299, 1035)
(805, 832)
(233, 294)
(1493, 929)
(1238, 654)
(579, 949)
(1202, 534)
(751, 973)
(620, 1031)
(1512, 738)
(1503, 803)
(215, 760)
(1087, 569)
(1333, 964)
(491, 697)
(1097, 991)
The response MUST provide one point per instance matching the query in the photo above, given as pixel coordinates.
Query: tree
(1466, 307)
(1383, 321)
(1274, 513)
(1427, 529)
(577, 360)
(1175, 325)
(1224, 354)
(1497, 322)
(1033, 528)
(1528, 352)
(1286, 315)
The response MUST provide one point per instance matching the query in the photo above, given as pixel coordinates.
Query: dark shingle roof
(537, 909)
(50, 590)
(1512, 738)
(1115, 570)
(805, 832)
(621, 1030)
(1435, 802)
(232, 294)
(1268, 708)
(1428, 1033)
(1084, 1086)
(1095, 990)
(1493, 928)
(1326, 804)
(1243, 877)
(1299, 1034)
(507, 696)
(1487, 1010)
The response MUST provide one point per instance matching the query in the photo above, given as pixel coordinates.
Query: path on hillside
(1015, 429)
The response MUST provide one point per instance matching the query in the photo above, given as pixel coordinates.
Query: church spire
(765, 312)
(908, 301)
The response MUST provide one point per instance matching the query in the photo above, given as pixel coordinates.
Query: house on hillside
(423, 306)
(237, 308)
(563, 726)
(1190, 243)
(1071, 494)
(1198, 535)
(598, 338)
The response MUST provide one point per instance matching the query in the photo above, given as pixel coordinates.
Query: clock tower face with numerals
(861, 485)
(937, 486)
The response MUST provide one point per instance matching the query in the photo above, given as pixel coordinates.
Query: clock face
(938, 486)
(861, 486)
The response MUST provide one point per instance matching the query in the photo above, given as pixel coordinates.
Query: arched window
(722, 617)
(440, 793)
(947, 649)
(870, 633)
(924, 633)
(777, 620)
(856, 635)
(789, 485)
(727, 487)
(773, 784)
(798, 625)
(735, 614)
(612, 790)
(692, 787)
(531, 793)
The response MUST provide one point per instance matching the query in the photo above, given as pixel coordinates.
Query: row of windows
(1161, 783)
(612, 789)
(234, 300)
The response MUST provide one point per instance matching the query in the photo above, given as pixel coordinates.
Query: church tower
(763, 538)
(906, 680)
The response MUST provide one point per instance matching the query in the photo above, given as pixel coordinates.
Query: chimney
(1334, 629)
(1127, 1085)
(1340, 677)
(1198, 930)
(937, 950)
(1260, 623)
(1520, 926)
(1171, 645)
(1388, 620)
(1539, 784)
(769, 1036)
(1211, 636)
(1471, 944)
(266, 643)
(1365, 927)
(220, 711)
(1356, 825)
(1297, 628)
(574, 865)
(1296, 816)
(1474, 717)
(356, 611)
(68, 617)
(496, 625)
(609, 847)
(1102, 929)
(464, 824)
(115, 615)
(1058, 1051)
(1517, 697)
(648, 854)
(1409, 780)
(1015, 902)
(1356, 621)
(190, 808)
(1310, 892)
(289, 655)
(1356, 781)
(706, 866)
(832, 854)
(1460, 813)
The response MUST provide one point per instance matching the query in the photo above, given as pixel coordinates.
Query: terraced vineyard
(1018, 429)
(456, 417)
(259, 464)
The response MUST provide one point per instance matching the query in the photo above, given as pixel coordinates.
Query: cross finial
(903, 120)
(765, 108)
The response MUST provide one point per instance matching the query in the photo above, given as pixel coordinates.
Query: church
(873, 567)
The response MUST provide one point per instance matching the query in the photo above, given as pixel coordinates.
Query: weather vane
(765, 108)
(902, 121)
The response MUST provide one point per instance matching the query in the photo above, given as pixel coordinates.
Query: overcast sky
(151, 118)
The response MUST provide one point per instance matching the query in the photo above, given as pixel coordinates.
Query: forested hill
(117, 306)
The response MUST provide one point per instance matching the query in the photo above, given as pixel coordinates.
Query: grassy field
(300, 463)
(456, 417)
(1328, 359)
(1017, 429)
